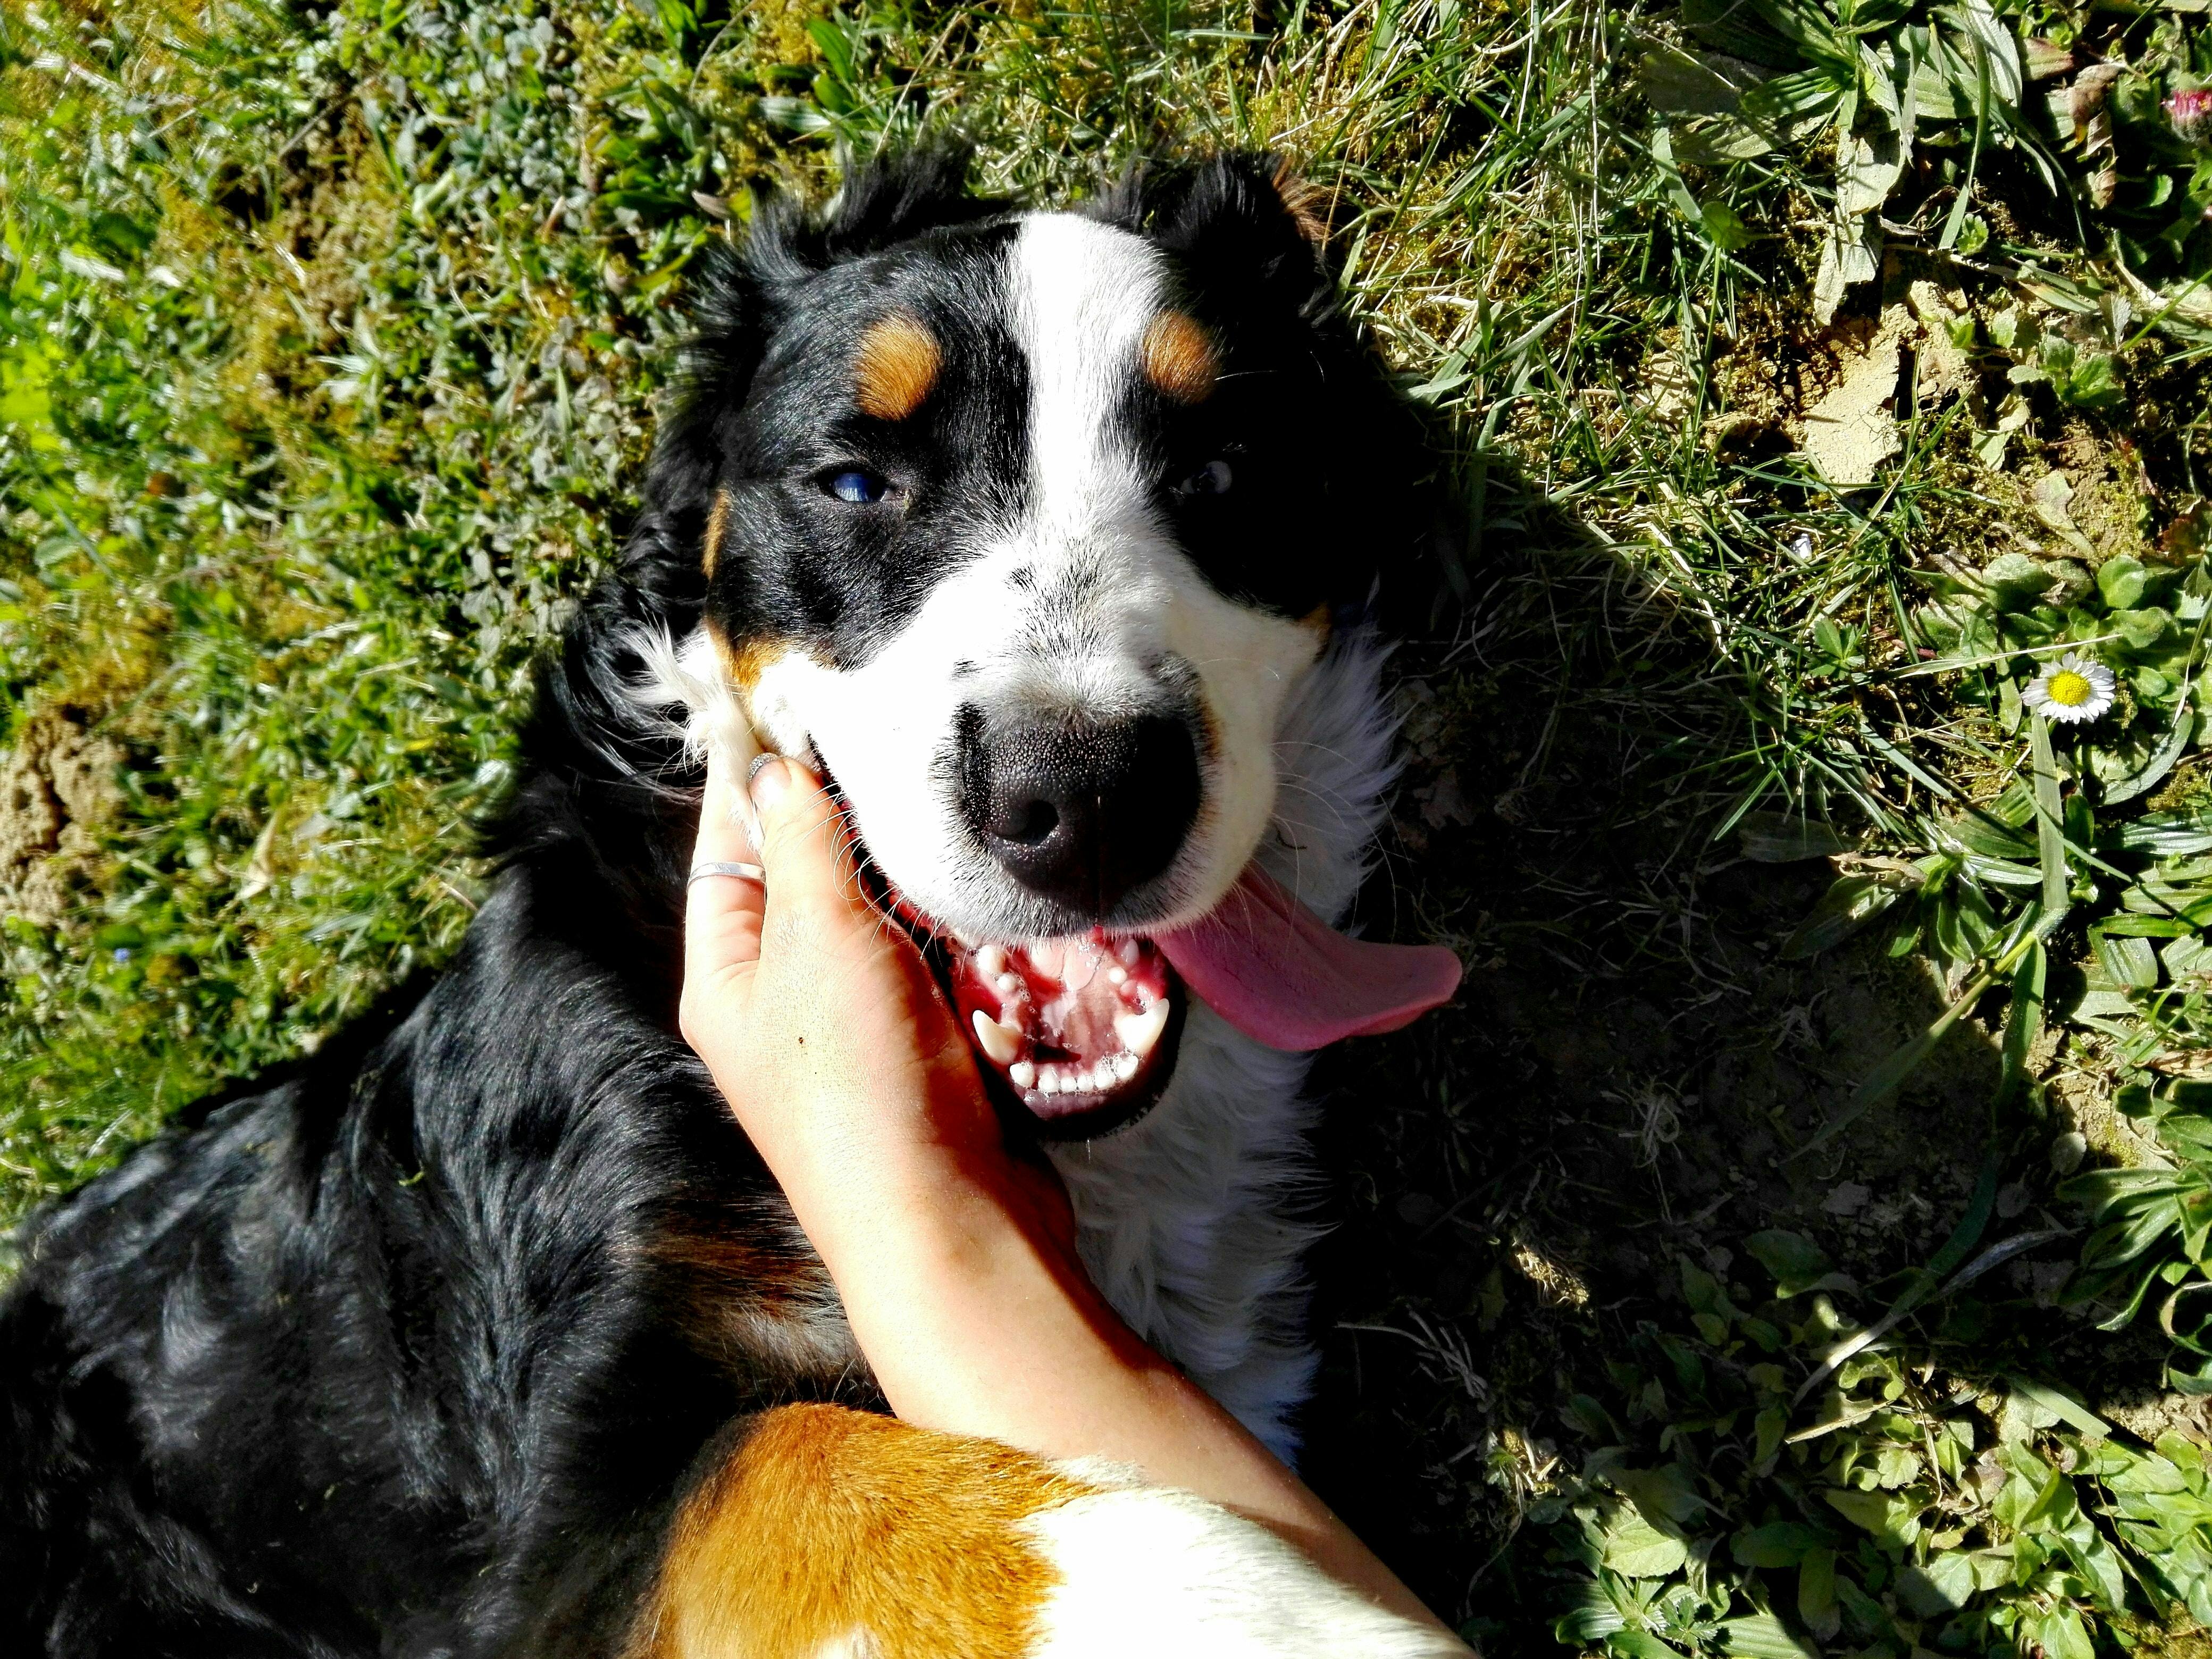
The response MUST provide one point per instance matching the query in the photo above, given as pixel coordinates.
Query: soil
(57, 792)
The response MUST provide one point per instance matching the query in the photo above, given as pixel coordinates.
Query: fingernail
(770, 778)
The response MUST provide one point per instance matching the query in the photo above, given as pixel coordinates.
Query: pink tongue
(1264, 963)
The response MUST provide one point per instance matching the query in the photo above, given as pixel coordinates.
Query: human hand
(828, 1035)
(954, 1257)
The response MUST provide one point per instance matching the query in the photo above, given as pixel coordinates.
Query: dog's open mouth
(1081, 1033)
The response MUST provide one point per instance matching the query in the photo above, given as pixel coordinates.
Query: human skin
(954, 1254)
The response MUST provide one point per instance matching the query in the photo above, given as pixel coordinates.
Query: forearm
(977, 1323)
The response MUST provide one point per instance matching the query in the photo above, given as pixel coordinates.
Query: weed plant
(1811, 382)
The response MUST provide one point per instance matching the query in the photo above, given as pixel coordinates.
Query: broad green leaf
(2092, 381)
(2016, 582)
(1636, 1549)
(2059, 1633)
(1633, 1644)
(1590, 1614)
(1778, 1544)
(2052, 1399)
(1762, 1635)
(1677, 82)
(2097, 1563)
(1816, 1594)
(2122, 580)
(2187, 955)
(1796, 1261)
(1989, 836)
(1944, 1585)
(1892, 1517)
(2144, 626)
(2126, 961)
(1731, 27)
(1850, 252)
(1714, 140)
(1667, 1495)
(1979, 26)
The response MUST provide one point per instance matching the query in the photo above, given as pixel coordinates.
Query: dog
(1053, 539)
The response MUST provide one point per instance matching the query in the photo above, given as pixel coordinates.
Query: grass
(1790, 1243)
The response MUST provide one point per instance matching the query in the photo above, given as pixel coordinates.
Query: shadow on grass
(1626, 1080)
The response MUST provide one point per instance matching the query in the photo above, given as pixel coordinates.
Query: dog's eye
(858, 488)
(1211, 479)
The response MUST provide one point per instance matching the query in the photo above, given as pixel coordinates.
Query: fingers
(808, 853)
(722, 914)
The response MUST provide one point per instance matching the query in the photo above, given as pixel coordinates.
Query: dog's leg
(828, 1534)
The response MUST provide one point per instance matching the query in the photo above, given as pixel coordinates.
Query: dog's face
(1025, 527)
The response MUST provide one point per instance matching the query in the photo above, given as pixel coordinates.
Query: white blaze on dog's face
(1076, 615)
(1026, 527)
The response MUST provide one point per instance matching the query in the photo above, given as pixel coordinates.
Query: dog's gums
(1079, 1033)
(1078, 1027)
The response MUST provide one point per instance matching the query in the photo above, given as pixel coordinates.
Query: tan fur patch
(896, 367)
(1180, 357)
(1303, 200)
(827, 1525)
(741, 1293)
(745, 661)
(718, 526)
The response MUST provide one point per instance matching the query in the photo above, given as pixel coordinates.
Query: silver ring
(743, 872)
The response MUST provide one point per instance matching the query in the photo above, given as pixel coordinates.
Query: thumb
(806, 847)
(721, 912)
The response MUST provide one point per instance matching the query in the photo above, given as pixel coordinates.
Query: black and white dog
(1050, 537)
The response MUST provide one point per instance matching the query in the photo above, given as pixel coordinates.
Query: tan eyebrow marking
(718, 527)
(896, 367)
(1180, 357)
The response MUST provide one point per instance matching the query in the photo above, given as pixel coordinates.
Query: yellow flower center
(2069, 689)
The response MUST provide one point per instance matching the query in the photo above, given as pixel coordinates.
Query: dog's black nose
(1081, 814)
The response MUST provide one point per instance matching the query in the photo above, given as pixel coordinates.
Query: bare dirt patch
(58, 792)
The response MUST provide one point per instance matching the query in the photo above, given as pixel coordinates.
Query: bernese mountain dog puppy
(1052, 539)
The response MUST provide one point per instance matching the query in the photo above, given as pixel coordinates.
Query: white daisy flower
(2072, 690)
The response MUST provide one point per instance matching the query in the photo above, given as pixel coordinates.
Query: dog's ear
(730, 327)
(892, 198)
(735, 299)
(882, 201)
(1242, 222)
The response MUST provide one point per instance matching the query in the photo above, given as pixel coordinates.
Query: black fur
(411, 1352)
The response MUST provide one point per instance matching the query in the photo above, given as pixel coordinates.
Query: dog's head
(1026, 525)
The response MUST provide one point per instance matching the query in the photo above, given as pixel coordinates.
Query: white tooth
(1125, 1066)
(1130, 951)
(1117, 974)
(1079, 1083)
(1048, 1081)
(1022, 1075)
(1008, 984)
(991, 961)
(1138, 1032)
(1002, 1042)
